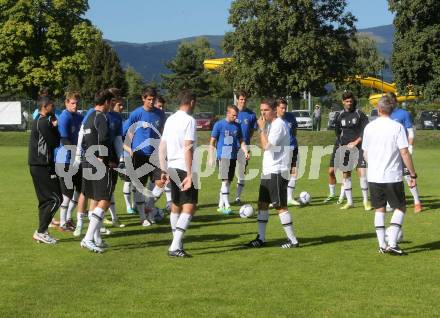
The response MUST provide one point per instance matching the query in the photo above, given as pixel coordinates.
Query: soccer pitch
(336, 273)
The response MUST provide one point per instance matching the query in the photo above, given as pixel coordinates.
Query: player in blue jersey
(227, 138)
(144, 128)
(248, 122)
(402, 116)
(69, 124)
(290, 121)
(115, 128)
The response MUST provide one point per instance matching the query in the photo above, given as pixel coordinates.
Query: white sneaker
(78, 231)
(91, 246)
(146, 223)
(105, 231)
(44, 238)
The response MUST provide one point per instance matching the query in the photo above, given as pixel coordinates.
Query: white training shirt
(383, 138)
(179, 127)
(276, 158)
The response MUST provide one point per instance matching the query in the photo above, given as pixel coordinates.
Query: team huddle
(75, 161)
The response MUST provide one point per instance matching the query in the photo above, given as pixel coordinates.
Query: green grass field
(336, 273)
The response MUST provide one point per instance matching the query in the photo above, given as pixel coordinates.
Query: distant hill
(149, 59)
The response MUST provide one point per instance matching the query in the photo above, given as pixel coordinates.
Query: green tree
(42, 42)
(187, 68)
(283, 47)
(416, 47)
(135, 84)
(104, 71)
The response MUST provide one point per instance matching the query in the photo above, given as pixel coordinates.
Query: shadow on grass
(428, 247)
(312, 241)
(189, 239)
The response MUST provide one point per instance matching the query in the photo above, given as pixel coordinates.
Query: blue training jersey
(248, 122)
(141, 139)
(290, 120)
(88, 113)
(69, 125)
(402, 116)
(115, 124)
(228, 136)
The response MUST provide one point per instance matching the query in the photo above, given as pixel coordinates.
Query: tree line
(279, 47)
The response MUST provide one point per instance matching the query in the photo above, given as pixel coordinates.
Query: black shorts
(178, 196)
(393, 193)
(101, 189)
(273, 190)
(227, 168)
(76, 180)
(361, 161)
(152, 172)
(294, 158)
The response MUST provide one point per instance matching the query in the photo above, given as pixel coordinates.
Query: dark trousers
(47, 188)
(317, 123)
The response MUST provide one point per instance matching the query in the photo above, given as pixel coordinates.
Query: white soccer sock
(168, 192)
(95, 223)
(181, 227)
(63, 210)
(72, 205)
(414, 192)
(379, 224)
(332, 189)
(348, 192)
(286, 222)
(140, 204)
(174, 217)
(364, 187)
(225, 193)
(395, 226)
(157, 192)
(342, 194)
(262, 218)
(112, 209)
(240, 186)
(127, 194)
(220, 199)
(79, 219)
(291, 188)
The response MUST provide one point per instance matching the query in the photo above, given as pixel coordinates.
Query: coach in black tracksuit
(43, 140)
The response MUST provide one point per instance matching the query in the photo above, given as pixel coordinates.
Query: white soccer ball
(158, 215)
(304, 197)
(246, 211)
(399, 235)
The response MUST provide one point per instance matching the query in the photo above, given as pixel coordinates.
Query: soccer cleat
(396, 251)
(107, 222)
(257, 243)
(382, 250)
(145, 223)
(339, 201)
(227, 211)
(65, 228)
(289, 244)
(179, 253)
(330, 198)
(105, 231)
(418, 208)
(91, 246)
(293, 202)
(117, 224)
(131, 211)
(367, 206)
(103, 244)
(347, 206)
(44, 238)
(77, 231)
(237, 201)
